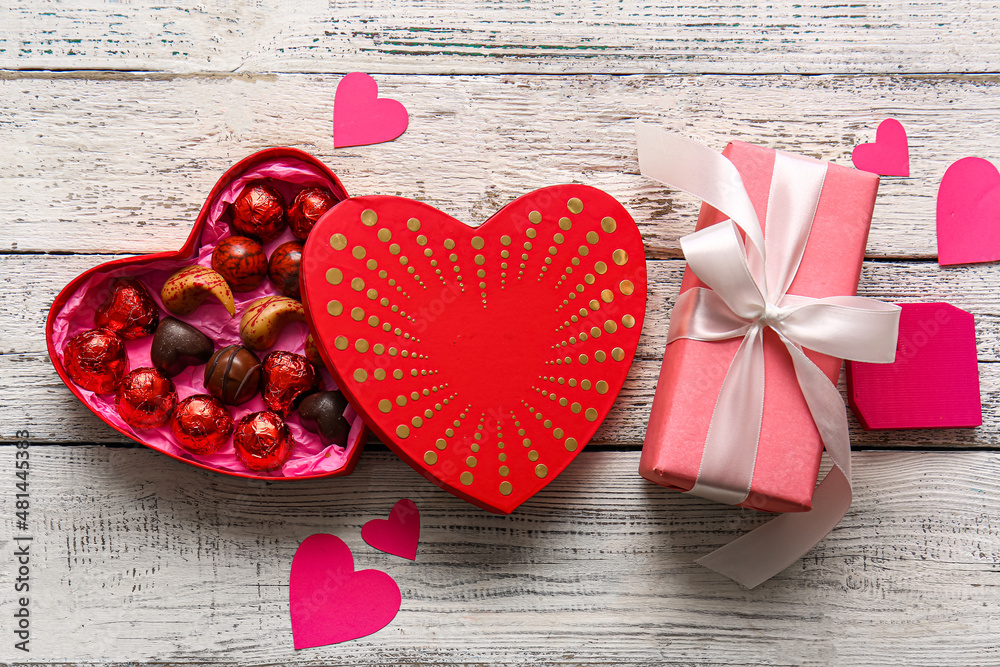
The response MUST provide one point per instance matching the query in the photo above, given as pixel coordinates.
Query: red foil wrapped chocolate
(283, 269)
(146, 398)
(306, 209)
(201, 424)
(259, 212)
(288, 377)
(96, 360)
(263, 441)
(129, 310)
(241, 261)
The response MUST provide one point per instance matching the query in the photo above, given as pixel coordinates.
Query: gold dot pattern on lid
(478, 242)
(430, 457)
(385, 405)
(533, 455)
(592, 238)
(360, 375)
(504, 471)
(628, 321)
(565, 224)
(398, 374)
(466, 478)
(576, 408)
(335, 307)
(369, 217)
(590, 414)
(610, 326)
(626, 287)
(471, 461)
(394, 248)
(571, 444)
(403, 431)
(609, 225)
(338, 241)
(620, 257)
(506, 488)
(505, 240)
(617, 354)
(601, 268)
(358, 252)
(379, 374)
(372, 264)
(357, 313)
(334, 276)
(384, 235)
(574, 205)
(361, 345)
(340, 342)
(449, 244)
(534, 217)
(607, 296)
(413, 225)
(357, 284)
(480, 260)
(600, 356)
(541, 471)
(601, 387)
(440, 443)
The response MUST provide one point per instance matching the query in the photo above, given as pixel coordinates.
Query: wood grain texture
(136, 558)
(122, 163)
(26, 372)
(504, 36)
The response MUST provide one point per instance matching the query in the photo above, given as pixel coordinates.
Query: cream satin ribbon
(748, 284)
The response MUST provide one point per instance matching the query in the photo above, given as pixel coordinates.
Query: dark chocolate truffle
(233, 375)
(177, 345)
(323, 413)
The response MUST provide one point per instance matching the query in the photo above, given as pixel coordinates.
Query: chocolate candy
(201, 424)
(287, 378)
(96, 360)
(263, 441)
(312, 352)
(283, 269)
(177, 345)
(233, 375)
(241, 261)
(323, 413)
(146, 398)
(129, 310)
(259, 212)
(306, 209)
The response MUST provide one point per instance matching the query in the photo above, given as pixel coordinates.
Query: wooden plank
(25, 371)
(464, 36)
(474, 144)
(136, 558)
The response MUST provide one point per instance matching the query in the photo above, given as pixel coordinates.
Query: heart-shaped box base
(288, 170)
(484, 357)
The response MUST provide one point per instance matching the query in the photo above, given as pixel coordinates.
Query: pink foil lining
(310, 456)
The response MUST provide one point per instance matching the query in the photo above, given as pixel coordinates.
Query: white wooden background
(118, 117)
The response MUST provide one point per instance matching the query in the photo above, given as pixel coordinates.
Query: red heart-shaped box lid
(484, 357)
(288, 170)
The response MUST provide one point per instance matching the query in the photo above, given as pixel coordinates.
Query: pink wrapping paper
(692, 372)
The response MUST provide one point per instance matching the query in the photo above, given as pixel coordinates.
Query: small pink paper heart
(360, 117)
(889, 155)
(399, 534)
(968, 213)
(330, 602)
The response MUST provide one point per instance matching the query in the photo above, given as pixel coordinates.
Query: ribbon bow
(749, 283)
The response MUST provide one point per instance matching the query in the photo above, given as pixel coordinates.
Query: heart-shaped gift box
(485, 357)
(288, 170)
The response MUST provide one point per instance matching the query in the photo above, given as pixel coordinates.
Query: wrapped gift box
(693, 371)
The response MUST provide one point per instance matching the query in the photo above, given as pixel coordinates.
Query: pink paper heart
(330, 602)
(399, 534)
(889, 155)
(360, 117)
(968, 213)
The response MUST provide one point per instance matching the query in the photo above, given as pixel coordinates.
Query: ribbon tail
(765, 551)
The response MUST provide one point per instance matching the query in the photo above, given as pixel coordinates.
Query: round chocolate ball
(306, 209)
(146, 398)
(241, 261)
(201, 424)
(259, 211)
(177, 345)
(283, 269)
(96, 360)
(233, 375)
(287, 378)
(263, 441)
(129, 310)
